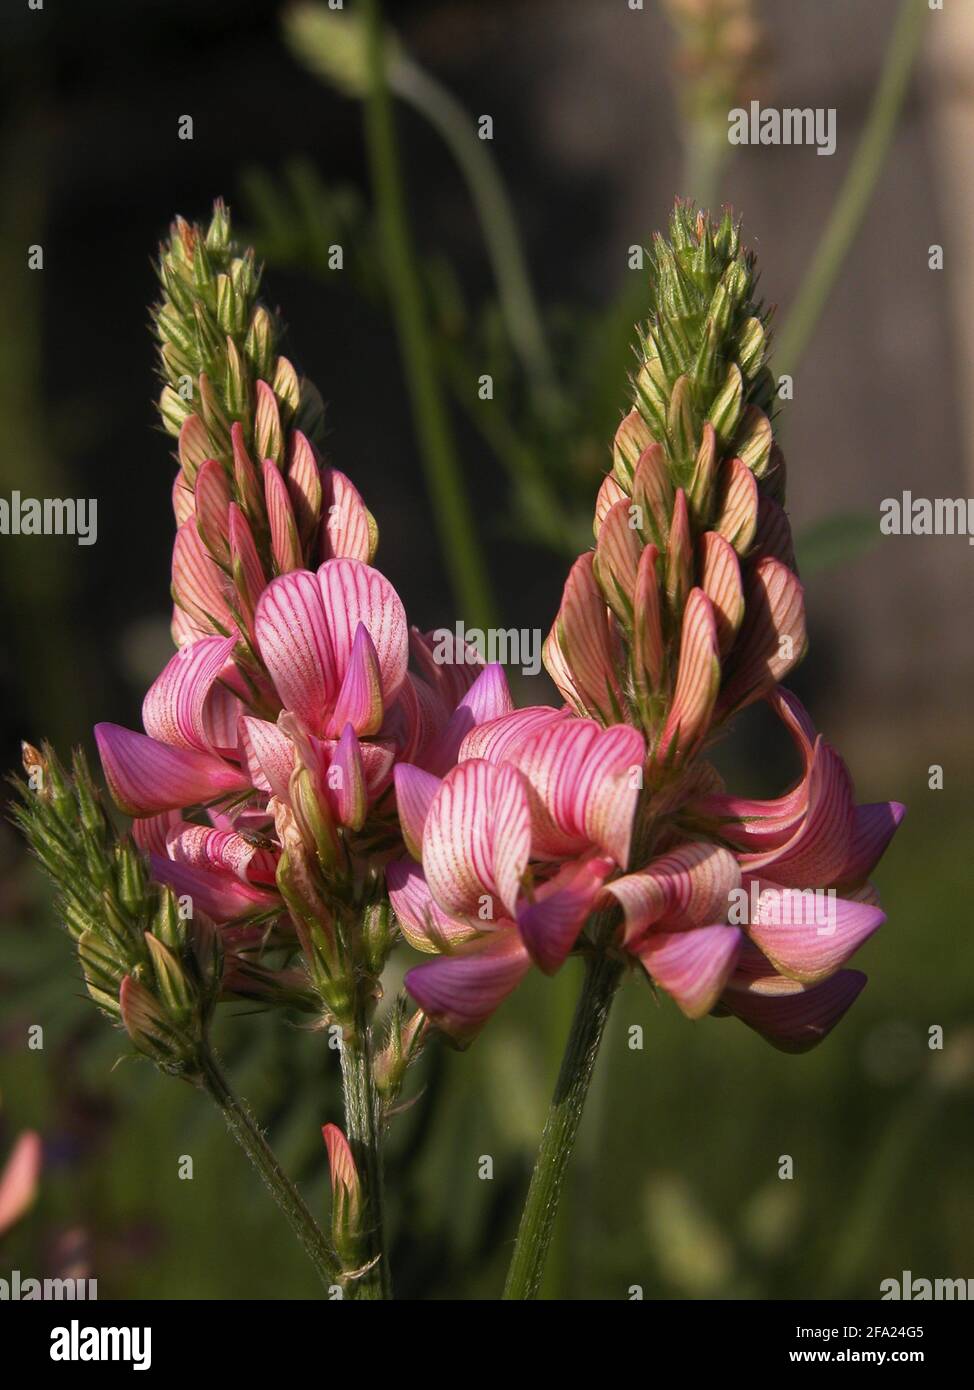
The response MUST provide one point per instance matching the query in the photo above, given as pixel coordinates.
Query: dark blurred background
(676, 1187)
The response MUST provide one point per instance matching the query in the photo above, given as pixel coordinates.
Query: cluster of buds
(150, 961)
(603, 813)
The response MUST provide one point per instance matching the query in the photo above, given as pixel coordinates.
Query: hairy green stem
(860, 180)
(458, 537)
(602, 974)
(245, 1129)
(363, 1120)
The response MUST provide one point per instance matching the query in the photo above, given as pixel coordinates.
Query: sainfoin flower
(605, 813)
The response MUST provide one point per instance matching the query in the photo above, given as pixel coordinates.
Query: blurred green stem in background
(247, 1133)
(860, 181)
(329, 43)
(363, 1120)
(602, 975)
(458, 537)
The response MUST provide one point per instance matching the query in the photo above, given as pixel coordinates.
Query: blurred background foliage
(519, 249)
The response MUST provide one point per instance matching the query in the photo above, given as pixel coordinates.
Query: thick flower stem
(602, 975)
(363, 1120)
(245, 1129)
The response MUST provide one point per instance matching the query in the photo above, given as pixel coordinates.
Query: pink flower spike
(359, 700)
(550, 924)
(460, 992)
(145, 776)
(692, 966)
(415, 790)
(285, 542)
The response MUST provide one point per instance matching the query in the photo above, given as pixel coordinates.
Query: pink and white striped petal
(582, 652)
(688, 887)
(423, 923)
(697, 682)
(212, 509)
(199, 587)
(349, 528)
(285, 541)
(295, 643)
(173, 710)
(354, 593)
(304, 486)
(692, 966)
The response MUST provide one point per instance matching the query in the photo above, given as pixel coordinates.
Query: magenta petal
(873, 828)
(550, 925)
(415, 790)
(346, 781)
(173, 709)
(791, 1016)
(215, 893)
(459, 993)
(489, 698)
(359, 700)
(145, 776)
(692, 966)
(807, 936)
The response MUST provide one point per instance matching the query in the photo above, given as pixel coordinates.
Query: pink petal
(183, 502)
(268, 440)
(772, 639)
(586, 786)
(145, 776)
(720, 580)
(689, 887)
(346, 781)
(200, 847)
(873, 827)
(212, 494)
(359, 700)
(304, 485)
(218, 895)
(248, 572)
(424, 925)
(19, 1178)
(807, 937)
(582, 651)
(194, 447)
(617, 556)
(173, 709)
(285, 542)
(648, 651)
(349, 530)
(738, 518)
(268, 755)
(697, 682)
(499, 740)
(488, 699)
(791, 1016)
(415, 790)
(477, 840)
(608, 495)
(292, 633)
(459, 993)
(198, 585)
(354, 593)
(550, 925)
(692, 966)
